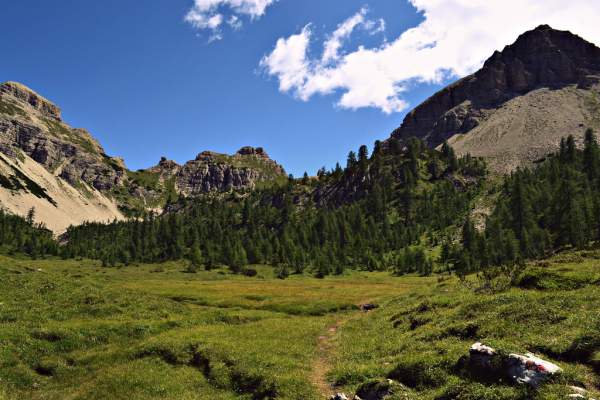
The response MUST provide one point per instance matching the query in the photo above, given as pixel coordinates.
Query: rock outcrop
(61, 171)
(215, 172)
(35, 129)
(547, 81)
(66, 175)
(24, 94)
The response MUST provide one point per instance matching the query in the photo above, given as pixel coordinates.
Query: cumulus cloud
(210, 15)
(453, 40)
(343, 31)
(289, 62)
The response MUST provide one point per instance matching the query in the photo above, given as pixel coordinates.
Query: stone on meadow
(481, 355)
(529, 369)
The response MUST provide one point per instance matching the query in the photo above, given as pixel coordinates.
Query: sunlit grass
(74, 330)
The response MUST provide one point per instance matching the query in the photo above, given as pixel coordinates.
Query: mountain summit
(515, 109)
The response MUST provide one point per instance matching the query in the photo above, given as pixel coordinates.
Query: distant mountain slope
(66, 175)
(211, 171)
(45, 164)
(517, 107)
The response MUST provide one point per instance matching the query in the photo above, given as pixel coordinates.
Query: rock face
(26, 95)
(66, 175)
(61, 171)
(544, 60)
(34, 129)
(214, 172)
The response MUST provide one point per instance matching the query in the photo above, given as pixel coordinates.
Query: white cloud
(235, 23)
(454, 39)
(343, 31)
(209, 15)
(288, 61)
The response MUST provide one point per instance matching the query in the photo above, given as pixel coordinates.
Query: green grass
(145, 179)
(74, 330)
(419, 338)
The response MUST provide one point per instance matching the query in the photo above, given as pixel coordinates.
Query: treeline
(23, 235)
(370, 215)
(539, 211)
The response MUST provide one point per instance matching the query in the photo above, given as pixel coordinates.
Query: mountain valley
(456, 260)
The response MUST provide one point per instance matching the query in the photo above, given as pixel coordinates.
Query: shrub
(250, 272)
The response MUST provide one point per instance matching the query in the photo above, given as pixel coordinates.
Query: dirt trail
(320, 366)
(322, 363)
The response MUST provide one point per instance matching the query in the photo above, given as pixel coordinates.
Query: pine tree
(352, 161)
(591, 156)
(195, 258)
(363, 157)
(449, 156)
(305, 179)
(31, 216)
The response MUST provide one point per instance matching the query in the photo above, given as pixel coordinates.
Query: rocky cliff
(214, 172)
(66, 175)
(31, 126)
(516, 108)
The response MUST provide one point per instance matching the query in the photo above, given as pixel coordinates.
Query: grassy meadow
(74, 330)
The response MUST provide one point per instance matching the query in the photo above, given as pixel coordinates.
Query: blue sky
(147, 83)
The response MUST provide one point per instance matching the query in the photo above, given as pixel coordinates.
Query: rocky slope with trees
(66, 175)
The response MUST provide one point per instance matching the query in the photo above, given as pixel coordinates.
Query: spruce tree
(591, 157)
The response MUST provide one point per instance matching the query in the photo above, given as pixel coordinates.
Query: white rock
(531, 370)
(482, 349)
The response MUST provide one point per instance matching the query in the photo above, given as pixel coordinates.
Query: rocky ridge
(215, 172)
(74, 164)
(542, 74)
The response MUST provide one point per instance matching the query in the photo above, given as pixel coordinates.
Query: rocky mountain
(214, 172)
(65, 174)
(515, 109)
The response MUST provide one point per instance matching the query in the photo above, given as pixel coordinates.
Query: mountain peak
(26, 95)
(540, 58)
(518, 105)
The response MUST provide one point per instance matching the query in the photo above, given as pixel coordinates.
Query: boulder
(481, 355)
(490, 364)
(529, 369)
